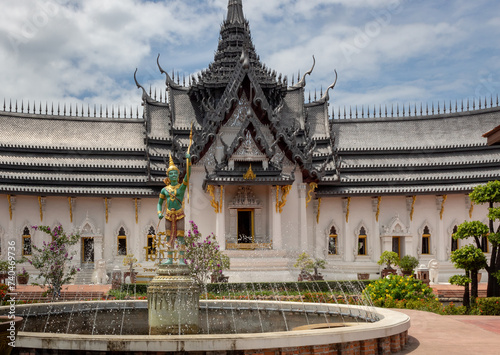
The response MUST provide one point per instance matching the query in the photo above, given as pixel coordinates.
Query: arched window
(362, 247)
(151, 246)
(26, 242)
(454, 242)
(426, 241)
(333, 242)
(122, 242)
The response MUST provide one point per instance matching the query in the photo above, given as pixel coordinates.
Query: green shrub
(397, 288)
(488, 306)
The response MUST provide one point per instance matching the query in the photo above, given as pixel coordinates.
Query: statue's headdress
(171, 165)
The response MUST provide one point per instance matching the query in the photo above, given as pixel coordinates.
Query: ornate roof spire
(235, 12)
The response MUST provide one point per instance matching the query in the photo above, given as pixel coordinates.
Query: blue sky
(385, 51)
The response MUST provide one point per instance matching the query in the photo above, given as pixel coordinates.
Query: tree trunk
(466, 300)
(493, 289)
(474, 291)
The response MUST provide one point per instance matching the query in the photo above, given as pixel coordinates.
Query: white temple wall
(394, 220)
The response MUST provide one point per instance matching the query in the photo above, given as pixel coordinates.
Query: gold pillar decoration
(312, 186)
(41, 210)
(285, 190)
(106, 205)
(319, 210)
(347, 211)
(221, 198)
(414, 198)
(249, 175)
(442, 206)
(136, 211)
(215, 204)
(10, 206)
(471, 209)
(70, 210)
(378, 207)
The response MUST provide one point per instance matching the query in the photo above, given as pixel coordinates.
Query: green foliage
(307, 264)
(389, 258)
(203, 255)
(486, 193)
(460, 280)
(494, 213)
(468, 258)
(385, 291)
(53, 258)
(408, 263)
(489, 306)
(471, 229)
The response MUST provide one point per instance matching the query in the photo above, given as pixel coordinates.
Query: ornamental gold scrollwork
(10, 206)
(312, 186)
(379, 200)
(414, 198)
(347, 210)
(41, 209)
(442, 206)
(319, 210)
(217, 205)
(285, 190)
(70, 210)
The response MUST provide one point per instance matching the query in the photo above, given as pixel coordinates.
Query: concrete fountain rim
(390, 323)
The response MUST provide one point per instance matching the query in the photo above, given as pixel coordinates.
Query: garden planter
(8, 331)
(23, 280)
(387, 271)
(363, 276)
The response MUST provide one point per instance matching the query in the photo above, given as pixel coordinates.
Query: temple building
(272, 175)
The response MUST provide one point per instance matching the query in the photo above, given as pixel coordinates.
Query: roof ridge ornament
(326, 97)
(302, 82)
(169, 82)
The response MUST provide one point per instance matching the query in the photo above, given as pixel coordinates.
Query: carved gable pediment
(245, 198)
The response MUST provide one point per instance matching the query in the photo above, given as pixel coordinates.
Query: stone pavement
(434, 334)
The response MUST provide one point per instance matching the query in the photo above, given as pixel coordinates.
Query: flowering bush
(3, 291)
(203, 255)
(396, 288)
(489, 306)
(52, 259)
(24, 273)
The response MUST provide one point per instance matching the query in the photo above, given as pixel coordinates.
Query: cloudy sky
(385, 51)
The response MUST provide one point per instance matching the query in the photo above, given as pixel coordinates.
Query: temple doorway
(245, 226)
(87, 250)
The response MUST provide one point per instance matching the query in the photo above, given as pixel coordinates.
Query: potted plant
(388, 258)
(307, 266)
(408, 264)
(23, 277)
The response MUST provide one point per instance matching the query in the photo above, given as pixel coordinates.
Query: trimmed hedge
(349, 287)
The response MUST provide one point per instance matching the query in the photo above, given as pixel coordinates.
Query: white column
(302, 217)
(378, 245)
(275, 218)
(350, 240)
(437, 245)
(220, 222)
(107, 238)
(134, 240)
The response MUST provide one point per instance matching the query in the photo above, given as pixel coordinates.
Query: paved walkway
(433, 334)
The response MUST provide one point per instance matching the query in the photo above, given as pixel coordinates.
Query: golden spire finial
(249, 174)
(171, 165)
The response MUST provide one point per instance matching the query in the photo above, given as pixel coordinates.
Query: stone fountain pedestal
(173, 301)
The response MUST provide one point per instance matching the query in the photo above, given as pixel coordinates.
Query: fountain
(239, 327)
(173, 301)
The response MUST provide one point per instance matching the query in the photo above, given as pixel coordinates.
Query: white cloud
(383, 50)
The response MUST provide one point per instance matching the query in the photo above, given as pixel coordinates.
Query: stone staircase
(84, 276)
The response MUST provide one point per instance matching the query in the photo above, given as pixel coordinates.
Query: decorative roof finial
(235, 12)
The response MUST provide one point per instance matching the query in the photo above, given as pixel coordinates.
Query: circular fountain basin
(259, 325)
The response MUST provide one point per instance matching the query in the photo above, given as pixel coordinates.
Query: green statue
(173, 197)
